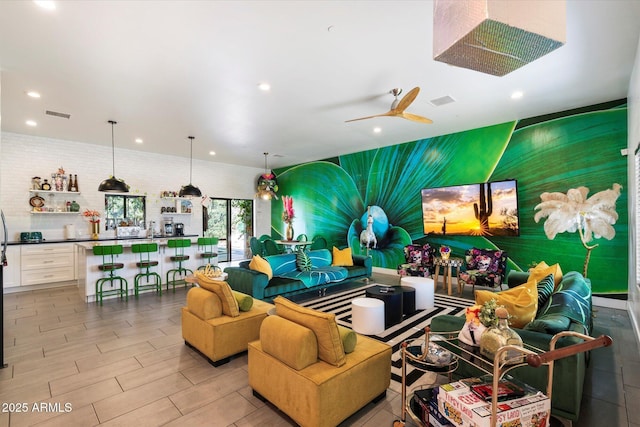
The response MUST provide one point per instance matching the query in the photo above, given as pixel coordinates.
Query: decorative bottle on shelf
(76, 187)
(499, 336)
(75, 207)
(46, 186)
(70, 183)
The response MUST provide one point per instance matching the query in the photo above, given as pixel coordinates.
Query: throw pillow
(245, 302)
(223, 290)
(277, 335)
(542, 270)
(521, 302)
(262, 265)
(342, 258)
(204, 304)
(303, 262)
(324, 325)
(349, 339)
(545, 289)
(549, 324)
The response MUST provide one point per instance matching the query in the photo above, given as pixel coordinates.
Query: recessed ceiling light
(45, 4)
(212, 153)
(33, 94)
(139, 140)
(377, 130)
(31, 123)
(264, 86)
(517, 94)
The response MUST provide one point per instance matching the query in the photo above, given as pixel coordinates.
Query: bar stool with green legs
(178, 245)
(207, 246)
(152, 280)
(108, 254)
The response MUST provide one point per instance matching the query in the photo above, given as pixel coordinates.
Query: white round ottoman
(367, 316)
(424, 287)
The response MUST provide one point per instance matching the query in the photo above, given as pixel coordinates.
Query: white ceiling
(168, 69)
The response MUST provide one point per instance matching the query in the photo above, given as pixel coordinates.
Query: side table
(398, 301)
(367, 316)
(448, 264)
(424, 287)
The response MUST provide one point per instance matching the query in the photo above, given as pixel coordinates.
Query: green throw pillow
(245, 302)
(349, 339)
(303, 262)
(545, 289)
(549, 324)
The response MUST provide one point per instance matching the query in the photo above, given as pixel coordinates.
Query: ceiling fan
(398, 107)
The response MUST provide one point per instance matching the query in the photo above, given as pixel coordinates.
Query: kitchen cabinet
(47, 263)
(11, 273)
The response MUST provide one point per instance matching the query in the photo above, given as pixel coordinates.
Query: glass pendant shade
(190, 190)
(113, 184)
(267, 184)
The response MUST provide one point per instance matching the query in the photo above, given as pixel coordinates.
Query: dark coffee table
(398, 301)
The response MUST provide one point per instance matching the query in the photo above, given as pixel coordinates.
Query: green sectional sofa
(568, 308)
(288, 279)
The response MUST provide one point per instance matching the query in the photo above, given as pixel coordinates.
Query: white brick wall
(25, 156)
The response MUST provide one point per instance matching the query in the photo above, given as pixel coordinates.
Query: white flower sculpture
(591, 217)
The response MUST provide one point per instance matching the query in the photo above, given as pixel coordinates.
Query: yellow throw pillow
(289, 342)
(324, 325)
(204, 304)
(223, 290)
(542, 270)
(342, 258)
(521, 302)
(262, 265)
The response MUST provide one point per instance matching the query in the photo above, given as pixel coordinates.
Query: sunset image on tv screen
(486, 209)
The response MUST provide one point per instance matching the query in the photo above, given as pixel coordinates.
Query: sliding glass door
(231, 221)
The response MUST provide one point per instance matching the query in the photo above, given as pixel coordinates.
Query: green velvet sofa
(568, 308)
(288, 279)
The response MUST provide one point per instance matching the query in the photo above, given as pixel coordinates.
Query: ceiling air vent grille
(443, 100)
(57, 114)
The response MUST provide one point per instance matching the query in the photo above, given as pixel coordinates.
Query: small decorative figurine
(35, 183)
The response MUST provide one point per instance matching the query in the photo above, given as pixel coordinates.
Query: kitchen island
(87, 262)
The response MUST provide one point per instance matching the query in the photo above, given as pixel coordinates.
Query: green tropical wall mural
(332, 196)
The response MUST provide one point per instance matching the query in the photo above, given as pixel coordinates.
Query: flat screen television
(484, 209)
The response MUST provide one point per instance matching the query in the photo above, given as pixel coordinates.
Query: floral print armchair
(419, 261)
(484, 267)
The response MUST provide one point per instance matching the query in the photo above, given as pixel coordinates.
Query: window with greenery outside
(124, 210)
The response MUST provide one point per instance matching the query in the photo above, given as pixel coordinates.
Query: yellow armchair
(301, 365)
(216, 335)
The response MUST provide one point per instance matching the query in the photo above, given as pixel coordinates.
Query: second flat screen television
(485, 209)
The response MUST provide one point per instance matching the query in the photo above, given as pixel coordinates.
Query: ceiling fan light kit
(113, 184)
(496, 36)
(190, 190)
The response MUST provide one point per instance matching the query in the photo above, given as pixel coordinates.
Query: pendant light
(267, 184)
(190, 190)
(113, 184)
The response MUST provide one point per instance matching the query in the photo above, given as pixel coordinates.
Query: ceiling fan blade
(407, 99)
(388, 113)
(416, 118)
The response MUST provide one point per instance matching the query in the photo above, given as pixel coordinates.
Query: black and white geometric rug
(412, 327)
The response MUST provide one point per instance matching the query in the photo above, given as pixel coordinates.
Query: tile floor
(125, 363)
